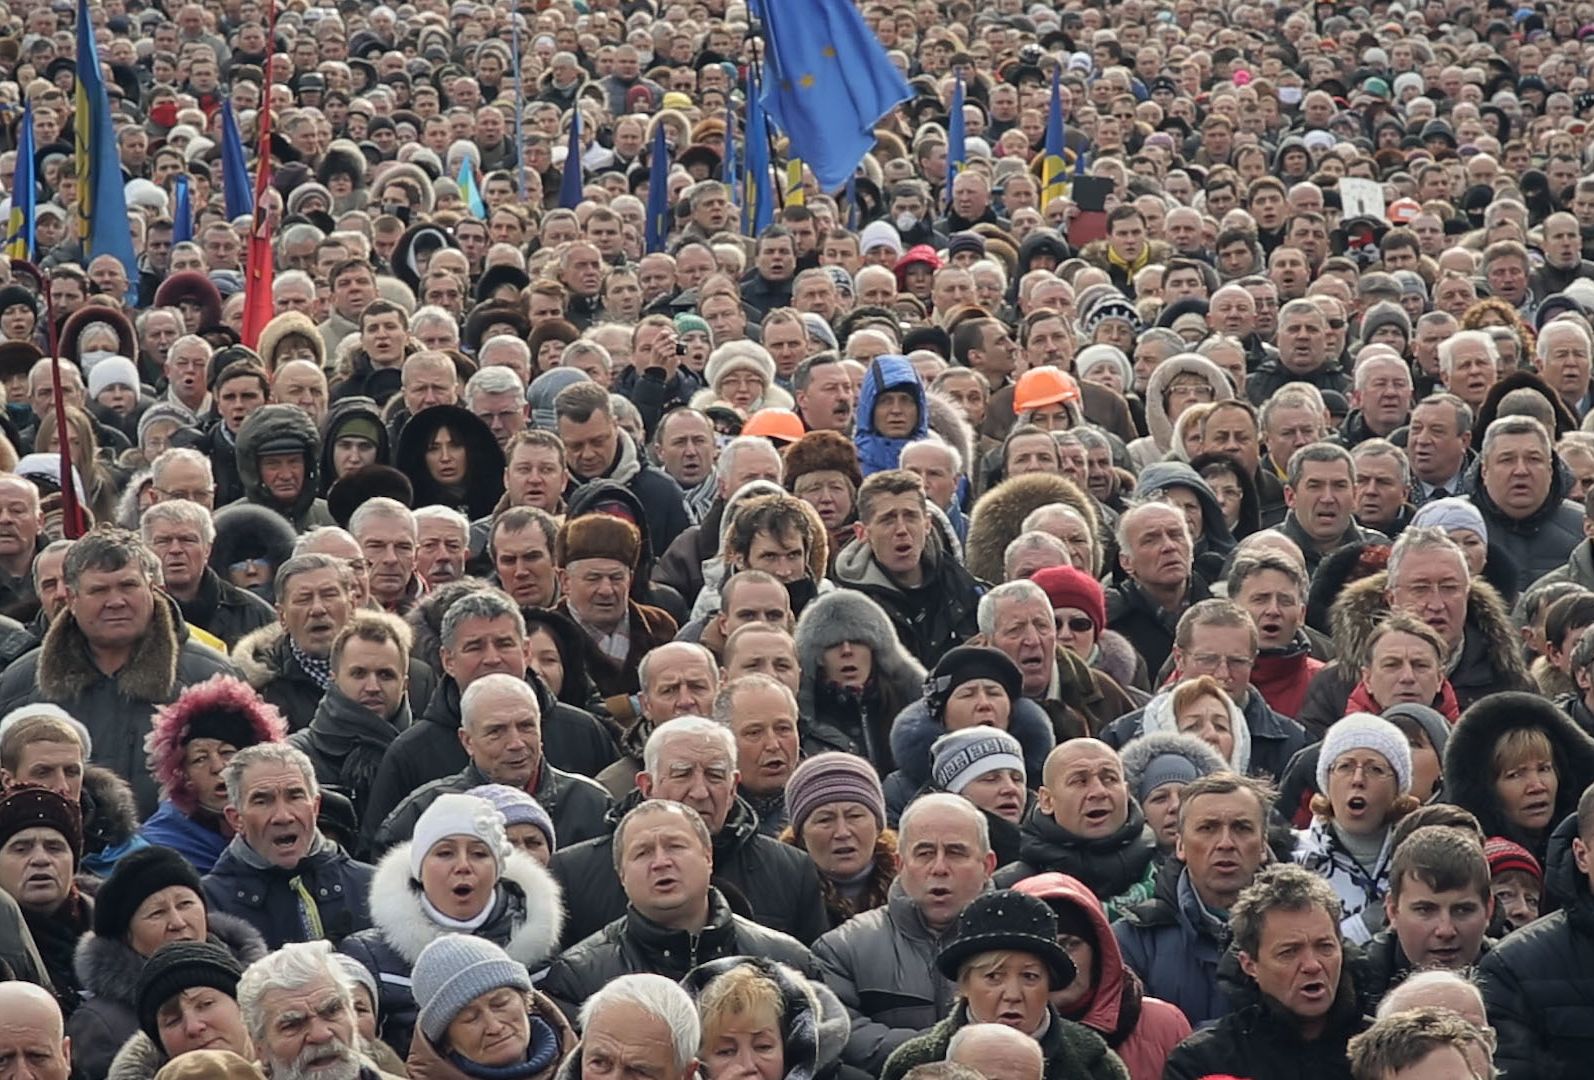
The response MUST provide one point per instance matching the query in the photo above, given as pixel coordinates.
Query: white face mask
(92, 357)
(906, 221)
(1290, 95)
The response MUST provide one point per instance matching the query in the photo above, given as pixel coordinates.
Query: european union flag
(24, 194)
(827, 81)
(1054, 166)
(570, 181)
(236, 187)
(957, 152)
(182, 210)
(102, 205)
(758, 194)
(658, 230)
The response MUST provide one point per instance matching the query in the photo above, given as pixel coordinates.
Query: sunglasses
(1079, 624)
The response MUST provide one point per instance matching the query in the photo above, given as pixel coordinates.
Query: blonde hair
(743, 991)
(1518, 747)
(986, 962)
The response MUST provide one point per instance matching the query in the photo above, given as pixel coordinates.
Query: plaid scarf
(318, 669)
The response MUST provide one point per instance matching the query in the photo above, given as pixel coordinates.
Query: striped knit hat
(833, 777)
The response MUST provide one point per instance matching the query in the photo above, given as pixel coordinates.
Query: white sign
(1361, 198)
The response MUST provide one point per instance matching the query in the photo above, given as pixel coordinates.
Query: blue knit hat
(455, 970)
(518, 808)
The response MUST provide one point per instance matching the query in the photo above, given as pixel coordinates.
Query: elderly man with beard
(298, 1003)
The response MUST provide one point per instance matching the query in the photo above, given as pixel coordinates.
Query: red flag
(258, 267)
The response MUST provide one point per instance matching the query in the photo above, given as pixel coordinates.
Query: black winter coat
(240, 884)
(578, 806)
(346, 742)
(1149, 629)
(271, 668)
(776, 882)
(1117, 868)
(634, 943)
(225, 610)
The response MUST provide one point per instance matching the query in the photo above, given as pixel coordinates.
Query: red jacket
(1281, 679)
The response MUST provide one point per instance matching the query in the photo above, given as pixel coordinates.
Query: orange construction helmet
(781, 425)
(1044, 386)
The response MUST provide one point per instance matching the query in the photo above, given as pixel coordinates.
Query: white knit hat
(112, 371)
(739, 356)
(879, 234)
(1364, 731)
(460, 815)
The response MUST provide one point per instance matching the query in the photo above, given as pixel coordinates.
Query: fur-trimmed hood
(1355, 615)
(916, 729)
(774, 397)
(814, 1024)
(109, 968)
(115, 817)
(279, 424)
(66, 673)
(138, 1059)
(164, 743)
(1469, 779)
(1142, 750)
(279, 328)
(342, 413)
(998, 516)
(1165, 372)
(246, 530)
(849, 615)
(255, 655)
(397, 912)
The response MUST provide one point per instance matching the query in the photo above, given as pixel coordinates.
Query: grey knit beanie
(455, 970)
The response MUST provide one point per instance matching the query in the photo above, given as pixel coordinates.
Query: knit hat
(360, 974)
(965, 241)
(688, 323)
(1432, 722)
(179, 966)
(820, 330)
(164, 410)
(597, 536)
(1111, 306)
(739, 356)
(1364, 731)
(959, 758)
(880, 234)
(1164, 769)
(1069, 586)
(1452, 513)
(1105, 354)
(137, 876)
(305, 191)
(453, 971)
(967, 663)
(1006, 920)
(458, 815)
(37, 807)
(518, 808)
(112, 371)
(45, 708)
(1506, 856)
(822, 451)
(209, 1065)
(831, 777)
(1386, 314)
(544, 388)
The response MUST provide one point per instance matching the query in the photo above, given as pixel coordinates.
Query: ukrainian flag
(102, 205)
(24, 194)
(1054, 165)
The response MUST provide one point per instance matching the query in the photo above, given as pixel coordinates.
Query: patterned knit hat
(961, 757)
(1506, 856)
(833, 777)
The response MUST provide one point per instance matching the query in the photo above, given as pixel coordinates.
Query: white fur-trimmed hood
(534, 940)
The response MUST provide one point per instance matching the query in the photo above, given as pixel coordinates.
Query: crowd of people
(1107, 594)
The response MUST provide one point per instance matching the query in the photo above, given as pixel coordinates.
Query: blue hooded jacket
(877, 452)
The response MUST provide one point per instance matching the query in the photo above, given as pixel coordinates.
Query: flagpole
(72, 523)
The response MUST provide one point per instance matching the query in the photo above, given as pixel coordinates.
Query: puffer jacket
(777, 882)
(1540, 542)
(877, 452)
(813, 1023)
(196, 837)
(244, 885)
(1071, 1051)
(634, 943)
(1119, 869)
(109, 970)
(1538, 983)
(225, 610)
(930, 620)
(915, 730)
(117, 709)
(1175, 945)
(1319, 850)
(527, 913)
(276, 424)
(882, 965)
(1138, 1028)
(578, 806)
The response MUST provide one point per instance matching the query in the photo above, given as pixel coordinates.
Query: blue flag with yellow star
(827, 80)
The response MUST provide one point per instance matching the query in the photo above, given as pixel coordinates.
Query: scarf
(1130, 269)
(459, 925)
(540, 1054)
(320, 671)
(354, 738)
(1446, 704)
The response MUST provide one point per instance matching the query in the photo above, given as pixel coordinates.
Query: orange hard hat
(782, 425)
(1044, 386)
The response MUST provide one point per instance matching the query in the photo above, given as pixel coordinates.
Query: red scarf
(1445, 703)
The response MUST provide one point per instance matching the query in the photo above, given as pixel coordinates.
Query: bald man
(997, 1052)
(32, 1043)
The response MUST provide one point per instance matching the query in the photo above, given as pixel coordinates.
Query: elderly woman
(458, 874)
(152, 898)
(766, 1021)
(1364, 776)
(838, 816)
(971, 685)
(1005, 961)
(1199, 707)
(478, 1017)
(741, 374)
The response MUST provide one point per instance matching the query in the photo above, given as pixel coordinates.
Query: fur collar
(138, 1059)
(1469, 780)
(1356, 613)
(257, 655)
(115, 817)
(109, 968)
(397, 912)
(66, 671)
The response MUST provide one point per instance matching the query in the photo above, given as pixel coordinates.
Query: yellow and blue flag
(758, 191)
(469, 194)
(826, 83)
(24, 194)
(102, 204)
(1054, 166)
(658, 230)
(236, 187)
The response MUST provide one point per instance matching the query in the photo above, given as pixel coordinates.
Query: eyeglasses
(1079, 624)
(1372, 770)
(1214, 661)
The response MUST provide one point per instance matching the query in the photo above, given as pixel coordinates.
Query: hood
(248, 530)
(577, 689)
(814, 1025)
(1158, 719)
(915, 730)
(999, 515)
(269, 426)
(1161, 475)
(484, 472)
(1179, 364)
(1467, 772)
(338, 416)
(397, 912)
(255, 655)
(1139, 752)
(290, 322)
(1038, 242)
(1563, 881)
(163, 746)
(112, 816)
(876, 452)
(849, 615)
(1107, 984)
(1361, 605)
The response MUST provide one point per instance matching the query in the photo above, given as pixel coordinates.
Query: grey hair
(380, 507)
(483, 604)
(1561, 325)
(107, 548)
(1139, 510)
(1034, 540)
(306, 563)
(1364, 368)
(688, 727)
(1432, 979)
(1424, 538)
(1032, 521)
(932, 439)
(500, 343)
(1383, 448)
(1024, 590)
(944, 800)
(647, 657)
(1320, 452)
(180, 453)
(1515, 425)
(1294, 395)
(178, 512)
(49, 549)
(266, 753)
(445, 513)
(661, 999)
(190, 339)
(497, 682)
(292, 967)
(309, 540)
(724, 709)
(579, 347)
(1447, 348)
(734, 448)
(496, 379)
